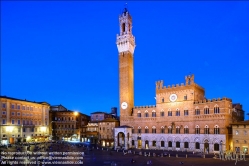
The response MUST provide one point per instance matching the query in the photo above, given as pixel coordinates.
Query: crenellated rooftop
(212, 100)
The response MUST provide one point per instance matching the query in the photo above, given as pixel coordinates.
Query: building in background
(23, 120)
(106, 131)
(240, 136)
(182, 119)
(93, 125)
(67, 125)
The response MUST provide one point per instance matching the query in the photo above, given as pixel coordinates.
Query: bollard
(186, 156)
(176, 155)
(204, 156)
(169, 155)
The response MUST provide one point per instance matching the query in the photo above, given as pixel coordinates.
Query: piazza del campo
(183, 127)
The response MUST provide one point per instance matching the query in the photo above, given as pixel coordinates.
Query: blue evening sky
(65, 52)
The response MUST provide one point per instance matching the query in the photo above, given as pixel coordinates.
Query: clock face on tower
(124, 105)
(173, 97)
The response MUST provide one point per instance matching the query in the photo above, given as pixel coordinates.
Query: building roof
(11, 98)
(241, 123)
(124, 126)
(99, 112)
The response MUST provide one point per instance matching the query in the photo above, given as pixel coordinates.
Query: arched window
(197, 111)
(206, 110)
(162, 100)
(216, 129)
(197, 145)
(186, 145)
(146, 114)
(162, 143)
(177, 112)
(216, 147)
(162, 113)
(186, 130)
(206, 130)
(170, 144)
(197, 129)
(123, 27)
(139, 130)
(153, 129)
(216, 109)
(169, 130)
(162, 129)
(153, 113)
(153, 143)
(177, 130)
(177, 144)
(146, 130)
(139, 114)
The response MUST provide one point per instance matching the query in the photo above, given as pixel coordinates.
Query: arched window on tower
(123, 27)
(139, 130)
(162, 113)
(177, 130)
(170, 130)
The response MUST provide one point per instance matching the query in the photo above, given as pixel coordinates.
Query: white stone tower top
(125, 39)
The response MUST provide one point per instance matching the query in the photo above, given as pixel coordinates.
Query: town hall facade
(182, 119)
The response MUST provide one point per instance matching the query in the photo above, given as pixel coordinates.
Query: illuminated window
(23, 107)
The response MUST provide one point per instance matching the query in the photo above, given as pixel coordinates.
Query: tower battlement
(189, 82)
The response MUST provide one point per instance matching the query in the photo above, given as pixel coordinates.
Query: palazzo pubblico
(182, 119)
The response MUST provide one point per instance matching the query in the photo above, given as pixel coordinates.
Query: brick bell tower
(126, 45)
